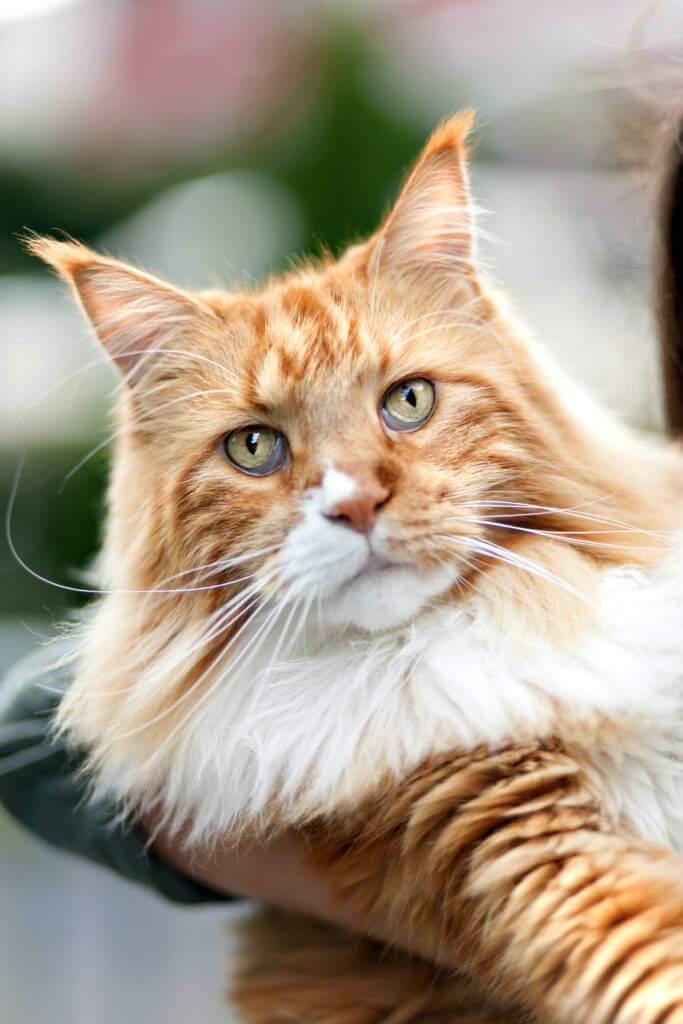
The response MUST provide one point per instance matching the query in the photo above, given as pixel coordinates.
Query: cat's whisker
(76, 375)
(226, 615)
(101, 445)
(282, 603)
(263, 629)
(190, 692)
(460, 324)
(244, 607)
(454, 311)
(224, 564)
(168, 350)
(72, 588)
(535, 509)
(218, 622)
(567, 536)
(227, 584)
(467, 323)
(465, 585)
(449, 319)
(190, 396)
(283, 638)
(203, 571)
(489, 549)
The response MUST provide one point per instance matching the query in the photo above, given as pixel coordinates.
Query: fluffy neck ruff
(275, 740)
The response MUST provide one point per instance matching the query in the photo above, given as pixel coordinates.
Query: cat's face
(335, 443)
(338, 443)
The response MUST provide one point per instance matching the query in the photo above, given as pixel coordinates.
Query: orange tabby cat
(375, 570)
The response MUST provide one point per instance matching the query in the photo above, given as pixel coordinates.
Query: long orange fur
(506, 860)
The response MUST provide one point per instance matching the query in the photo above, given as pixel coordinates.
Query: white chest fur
(326, 724)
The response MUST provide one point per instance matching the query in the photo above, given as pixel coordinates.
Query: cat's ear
(134, 314)
(429, 233)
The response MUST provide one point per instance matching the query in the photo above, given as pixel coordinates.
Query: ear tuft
(452, 135)
(66, 257)
(134, 314)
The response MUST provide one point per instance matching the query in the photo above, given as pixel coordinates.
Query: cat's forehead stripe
(310, 332)
(300, 339)
(306, 306)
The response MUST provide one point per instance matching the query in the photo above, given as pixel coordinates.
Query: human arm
(42, 788)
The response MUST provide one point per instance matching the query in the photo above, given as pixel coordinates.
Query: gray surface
(80, 946)
(17, 637)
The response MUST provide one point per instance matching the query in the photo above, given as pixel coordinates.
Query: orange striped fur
(505, 864)
(513, 857)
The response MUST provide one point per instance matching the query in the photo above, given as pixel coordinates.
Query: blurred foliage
(342, 158)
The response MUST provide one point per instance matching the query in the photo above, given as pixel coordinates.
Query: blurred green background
(211, 142)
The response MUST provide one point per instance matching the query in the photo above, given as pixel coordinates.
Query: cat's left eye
(408, 405)
(256, 450)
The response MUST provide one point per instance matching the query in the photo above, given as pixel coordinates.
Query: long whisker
(125, 426)
(568, 536)
(471, 585)
(101, 360)
(182, 698)
(122, 429)
(453, 311)
(163, 350)
(219, 622)
(224, 564)
(492, 550)
(520, 510)
(100, 446)
(264, 627)
(72, 588)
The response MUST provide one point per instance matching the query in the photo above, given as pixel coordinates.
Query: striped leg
(505, 863)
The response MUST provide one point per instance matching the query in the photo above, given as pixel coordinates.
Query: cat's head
(357, 439)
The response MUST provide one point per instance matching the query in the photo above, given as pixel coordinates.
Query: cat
(376, 570)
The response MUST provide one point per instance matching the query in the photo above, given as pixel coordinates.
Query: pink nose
(360, 510)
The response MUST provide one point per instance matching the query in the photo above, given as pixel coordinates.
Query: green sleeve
(40, 785)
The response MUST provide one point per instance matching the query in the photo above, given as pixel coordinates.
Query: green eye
(256, 450)
(408, 405)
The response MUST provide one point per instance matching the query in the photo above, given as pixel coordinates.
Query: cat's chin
(386, 596)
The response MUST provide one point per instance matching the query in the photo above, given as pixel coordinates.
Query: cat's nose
(360, 509)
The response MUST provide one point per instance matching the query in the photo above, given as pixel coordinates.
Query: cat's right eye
(255, 450)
